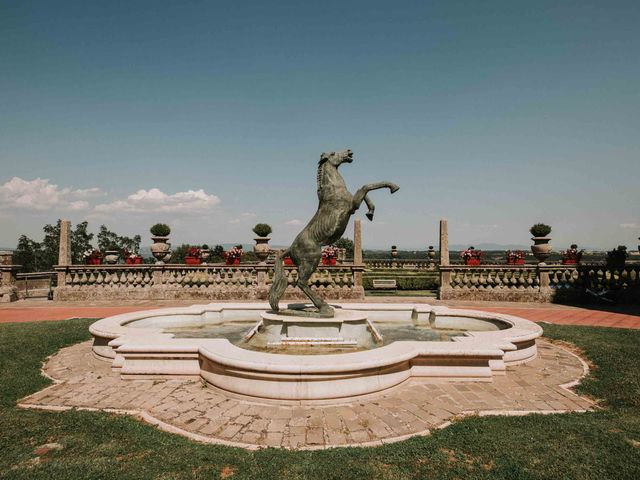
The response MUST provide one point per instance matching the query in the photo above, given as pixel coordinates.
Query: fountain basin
(138, 346)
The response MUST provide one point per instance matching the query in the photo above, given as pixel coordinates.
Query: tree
(50, 246)
(80, 242)
(217, 254)
(347, 244)
(108, 240)
(27, 254)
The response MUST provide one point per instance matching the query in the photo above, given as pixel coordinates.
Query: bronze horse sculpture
(336, 205)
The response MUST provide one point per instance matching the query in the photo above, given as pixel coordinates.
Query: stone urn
(541, 248)
(262, 249)
(431, 253)
(111, 257)
(161, 249)
(205, 254)
(394, 251)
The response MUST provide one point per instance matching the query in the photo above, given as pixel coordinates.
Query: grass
(599, 445)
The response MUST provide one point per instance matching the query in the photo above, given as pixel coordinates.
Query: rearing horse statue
(336, 205)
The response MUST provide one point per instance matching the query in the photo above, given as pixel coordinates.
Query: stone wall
(538, 283)
(198, 282)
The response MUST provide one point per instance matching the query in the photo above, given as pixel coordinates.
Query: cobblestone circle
(203, 413)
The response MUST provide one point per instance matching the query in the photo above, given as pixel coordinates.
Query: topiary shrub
(262, 229)
(540, 230)
(160, 230)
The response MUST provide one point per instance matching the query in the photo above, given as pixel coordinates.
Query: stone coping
(147, 352)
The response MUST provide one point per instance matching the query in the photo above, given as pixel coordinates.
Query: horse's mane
(321, 163)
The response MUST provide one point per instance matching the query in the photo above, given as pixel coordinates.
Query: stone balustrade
(206, 282)
(537, 283)
(406, 264)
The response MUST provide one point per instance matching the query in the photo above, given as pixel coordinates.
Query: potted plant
(261, 248)
(192, 256)
(131, 258)
(205, 253)
(431, 253)
(161, 248)
(572, 255)
(541, 248)
(471, 256)
(92, 257)
(616, 258)
(111, 254)
(329, 255)
(394, 251)
(233, 255)
(515, 257)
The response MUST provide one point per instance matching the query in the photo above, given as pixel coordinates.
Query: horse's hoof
(369, 216)
(326, 311)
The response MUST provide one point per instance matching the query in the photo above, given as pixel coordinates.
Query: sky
(211, 117)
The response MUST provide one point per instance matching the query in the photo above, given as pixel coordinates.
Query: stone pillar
(64, 252)
(444, 242)
(357, 251)
(445, 275)
(6, 257)
(357, 241)
(64, 255)
(8, 288)
(546, 293)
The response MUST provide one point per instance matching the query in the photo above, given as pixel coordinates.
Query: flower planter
(161, 249)
(519, 261)
(329, 261)
(541, 248)
(232, 261)
(472, 261)
(569, 261)
(288, 261)
(133, 260)
(94, 261)
(261, 248)
(111, 257)
(192, 260)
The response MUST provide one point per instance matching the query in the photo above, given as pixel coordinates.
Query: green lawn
(600, 445)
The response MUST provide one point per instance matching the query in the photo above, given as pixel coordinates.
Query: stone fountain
(315, 351)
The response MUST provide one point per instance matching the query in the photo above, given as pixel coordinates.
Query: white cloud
(41, 195)
(628, 225)
(294, 222)
(235, 220)
(154, 200)
(247, 214)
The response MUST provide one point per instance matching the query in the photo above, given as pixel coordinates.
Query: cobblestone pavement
(207, 414)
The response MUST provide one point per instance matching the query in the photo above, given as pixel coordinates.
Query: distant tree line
(42, 256)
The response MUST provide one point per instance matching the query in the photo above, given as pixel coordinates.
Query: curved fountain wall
(145, 351)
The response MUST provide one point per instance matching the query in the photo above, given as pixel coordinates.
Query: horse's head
(336, 158)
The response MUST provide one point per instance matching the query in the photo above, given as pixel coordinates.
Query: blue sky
(211, 116)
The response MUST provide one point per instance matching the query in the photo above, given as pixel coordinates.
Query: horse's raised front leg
(361, 195)
(370, 206)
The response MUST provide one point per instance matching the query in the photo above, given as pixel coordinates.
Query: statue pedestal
(347, 328)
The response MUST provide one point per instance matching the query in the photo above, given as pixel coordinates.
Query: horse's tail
(279, 284)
